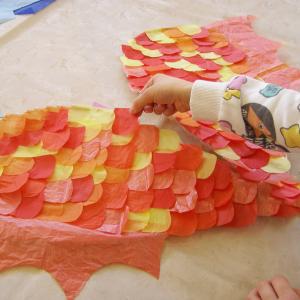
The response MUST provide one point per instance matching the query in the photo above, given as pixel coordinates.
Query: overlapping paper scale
(216, 52)
(101, 170)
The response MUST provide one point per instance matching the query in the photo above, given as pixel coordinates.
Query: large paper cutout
(137, 191)
(216, 52)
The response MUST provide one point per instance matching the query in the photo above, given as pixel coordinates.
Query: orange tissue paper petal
(43, 167)
(68, 156)
(244, 215)
(30, 138)
(55, 140)
(11, 183)
(184, 182)
(19, 166)
(82, 189)
(225, 214)
(164, 179)
(141, 180)
(164, 198)
(188, 158)
(76, 137)
(125, 122)
(56, 121)
(95, 196)
(120, 156)
(186, 202)
(66, 212)
(244, 191)
(183, 224)
(116, 175)
(163, 161)
(114, 195)
(222, 197)
(206, 220)
(222, 175)
(139, 201)
(30, 207)
(83, 168)
(33, 188)
(205, 187)
(147, 138)
(92, 216)
(13, 125)
(58, 191)
(9, 202)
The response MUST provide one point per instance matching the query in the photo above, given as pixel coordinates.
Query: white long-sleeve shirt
(264, 113)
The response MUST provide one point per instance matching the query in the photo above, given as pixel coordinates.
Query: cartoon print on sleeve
(259, 126)
(270, 90)
(291, 135)
(234, 87)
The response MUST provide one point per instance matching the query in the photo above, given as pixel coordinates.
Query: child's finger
(253, 295)
(282, 287)
(148, 108)
(159, 108)
(266, 291)
(142, 100)
(297, 292)
(170, 110)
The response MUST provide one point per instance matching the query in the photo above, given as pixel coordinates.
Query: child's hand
(276, 289)
(163, 95)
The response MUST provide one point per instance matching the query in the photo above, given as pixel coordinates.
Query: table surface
(68, 54)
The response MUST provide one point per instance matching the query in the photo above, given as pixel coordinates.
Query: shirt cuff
(205, 101)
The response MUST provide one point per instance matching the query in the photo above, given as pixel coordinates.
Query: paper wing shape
(100, 169)
(80, 180)
(216, 52)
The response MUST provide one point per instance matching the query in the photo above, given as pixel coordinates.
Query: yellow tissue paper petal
(152, 53)
(136, 221)
(228, 153)
(169, 141)
(88, 116)
(180, 64)
(1, 170)
(141, 160)
(222, 62)
(277, 165)
(189, 53)
(157, 35)
(132, 43)
(145, 51)
(91, 131)
(130, 62)
(32, 151)
(119, 140)
(193, 68)
(61, 172)
(209, 55)
(208, 165)
(226, 74)
(99, 174)
(159, 221)
(190, 29)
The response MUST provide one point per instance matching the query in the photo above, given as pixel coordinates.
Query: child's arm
(263, 112)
